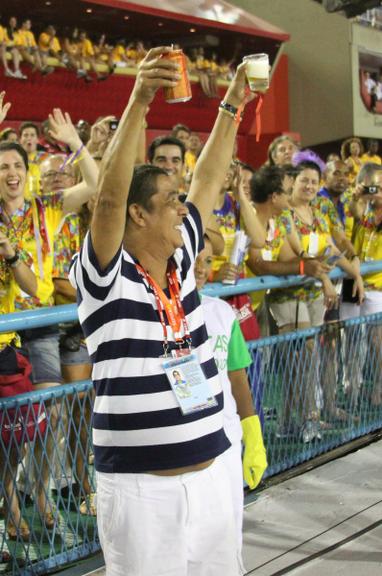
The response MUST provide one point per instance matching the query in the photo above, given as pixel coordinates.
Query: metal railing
(314, 390)
(317, 389)
(45, 479)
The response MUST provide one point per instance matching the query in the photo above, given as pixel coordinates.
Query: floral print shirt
(313, 239)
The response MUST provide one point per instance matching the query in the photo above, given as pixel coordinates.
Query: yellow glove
(255, 457)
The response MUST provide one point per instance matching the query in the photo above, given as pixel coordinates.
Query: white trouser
(232, 461)
(371, 305)
(356, 352)
(167, 525)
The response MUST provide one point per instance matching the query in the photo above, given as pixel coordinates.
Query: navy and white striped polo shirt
(137, 423)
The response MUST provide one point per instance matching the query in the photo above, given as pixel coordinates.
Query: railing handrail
(45, 394)
(271, 282)
(48, 316)
(83, 385)
(313, 331)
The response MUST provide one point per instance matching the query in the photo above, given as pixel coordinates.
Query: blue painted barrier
(68, 312)
(341, 367)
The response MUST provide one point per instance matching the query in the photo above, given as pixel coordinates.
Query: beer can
(182, 91)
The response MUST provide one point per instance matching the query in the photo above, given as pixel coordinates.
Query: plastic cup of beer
(257, 70)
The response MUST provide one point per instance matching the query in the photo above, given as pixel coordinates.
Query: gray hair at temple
(367, 171)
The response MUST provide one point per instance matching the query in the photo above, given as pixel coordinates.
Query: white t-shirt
(223, 330)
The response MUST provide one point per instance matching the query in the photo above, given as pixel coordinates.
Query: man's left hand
(238, 92)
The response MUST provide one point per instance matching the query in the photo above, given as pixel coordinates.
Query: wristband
(16, 264)
(75, 156)
(13, 260)
(72, 158)
(234, 112)
(301, 268)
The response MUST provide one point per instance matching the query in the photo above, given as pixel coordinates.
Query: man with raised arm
(163, 499)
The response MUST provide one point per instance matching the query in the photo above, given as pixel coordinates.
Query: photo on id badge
(181, 386)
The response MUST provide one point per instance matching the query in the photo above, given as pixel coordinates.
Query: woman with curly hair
(351, 152)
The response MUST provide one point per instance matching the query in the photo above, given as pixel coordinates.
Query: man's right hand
(154, 72)
(360, 193)
(227, 272)
(315, 268)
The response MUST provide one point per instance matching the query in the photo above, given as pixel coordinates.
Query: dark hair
(245, 166)
(308, 165)
(289, 170)
(11, 31)
(178, 127)
(26, 125)
(45, 126)
(8, 146)
(163, 141)
(266, 181)
(143, 186)
(6, 132)
(371, 141)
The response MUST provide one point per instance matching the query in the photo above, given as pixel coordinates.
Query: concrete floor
(337, 505)
(325, 522)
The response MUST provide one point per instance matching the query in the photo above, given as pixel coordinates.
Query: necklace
(305, 217)
(17, 225)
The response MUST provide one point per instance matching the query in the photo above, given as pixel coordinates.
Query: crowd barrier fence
(314, 390)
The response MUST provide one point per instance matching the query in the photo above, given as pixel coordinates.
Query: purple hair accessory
(308, 156)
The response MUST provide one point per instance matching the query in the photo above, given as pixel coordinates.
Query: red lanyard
(172, 307)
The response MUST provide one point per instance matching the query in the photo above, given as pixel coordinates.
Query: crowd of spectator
(90, 58)
(301, 216)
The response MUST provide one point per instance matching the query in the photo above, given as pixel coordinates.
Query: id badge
(189, 384)
(266, 255)
(313, 244)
